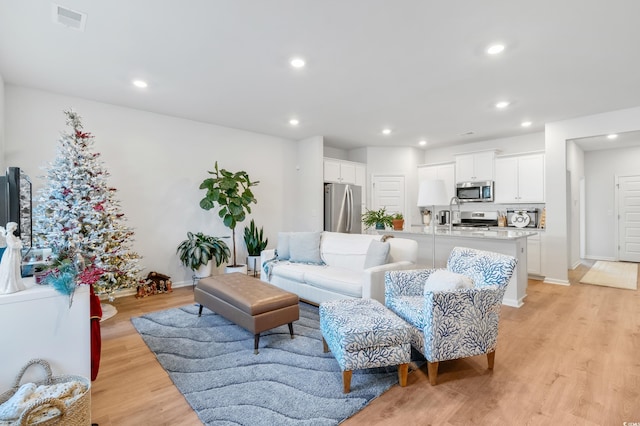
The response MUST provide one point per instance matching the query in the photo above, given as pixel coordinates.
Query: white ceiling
(418, 67)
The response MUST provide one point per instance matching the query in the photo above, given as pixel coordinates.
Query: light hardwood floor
(570, 355)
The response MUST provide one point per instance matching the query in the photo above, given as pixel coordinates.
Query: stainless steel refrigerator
(342, 208)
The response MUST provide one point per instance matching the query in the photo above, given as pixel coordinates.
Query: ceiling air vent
(69, 18)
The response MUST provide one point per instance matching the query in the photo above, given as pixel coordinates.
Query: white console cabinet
(38, 323)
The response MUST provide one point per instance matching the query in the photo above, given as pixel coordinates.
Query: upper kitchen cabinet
(520, 179)
(446, 172)
(341, 171)
(475, 167)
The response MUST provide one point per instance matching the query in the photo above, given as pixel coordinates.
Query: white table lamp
(432, 193)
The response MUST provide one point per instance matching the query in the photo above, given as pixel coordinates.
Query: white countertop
(494, 234)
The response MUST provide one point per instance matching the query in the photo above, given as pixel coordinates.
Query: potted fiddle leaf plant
(231, 193)
(199, 251)
(378, 218)
(255, 242)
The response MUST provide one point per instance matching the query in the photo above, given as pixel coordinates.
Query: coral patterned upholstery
(362, 333)
(457, 323)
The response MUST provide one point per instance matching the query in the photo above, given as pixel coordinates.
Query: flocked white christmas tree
(77, 212)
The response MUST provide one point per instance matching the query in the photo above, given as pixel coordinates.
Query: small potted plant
(198, 251)
(398, 222)
(377, 218)
(255, 242)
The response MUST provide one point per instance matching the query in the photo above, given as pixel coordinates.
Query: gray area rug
(290, 382)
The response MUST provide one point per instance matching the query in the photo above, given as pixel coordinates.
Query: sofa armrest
(373, 279)
(461, 323)
(265, 255)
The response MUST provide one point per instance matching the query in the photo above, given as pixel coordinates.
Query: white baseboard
(549, 280)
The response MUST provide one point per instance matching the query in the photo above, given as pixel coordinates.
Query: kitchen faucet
(455, 200)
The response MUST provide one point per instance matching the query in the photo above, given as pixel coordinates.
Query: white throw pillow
(282, 250)
(304, 247)
(377, 254)
(442, 279)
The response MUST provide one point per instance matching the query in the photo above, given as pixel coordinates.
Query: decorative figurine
(10, 274)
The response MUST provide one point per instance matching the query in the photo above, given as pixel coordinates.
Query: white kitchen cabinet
(446, 172)
(340, 171)
(534, 262)
(520, 179)
(475, 167)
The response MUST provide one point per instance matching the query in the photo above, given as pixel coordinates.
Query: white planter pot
(254, 264)
(239, 268)
(205, 270)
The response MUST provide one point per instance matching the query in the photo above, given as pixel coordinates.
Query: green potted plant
(397, 221)
(199, 250)
(255, 241)
(378, 218)
(231, 192)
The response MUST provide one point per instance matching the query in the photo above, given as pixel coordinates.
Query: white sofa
(323, 266)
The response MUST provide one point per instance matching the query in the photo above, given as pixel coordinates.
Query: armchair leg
(432, 369)
(491, 356)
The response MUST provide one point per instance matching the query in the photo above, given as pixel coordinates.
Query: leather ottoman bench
(248, 302)
(363, 333)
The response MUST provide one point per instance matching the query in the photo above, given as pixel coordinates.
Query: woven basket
(77, 414)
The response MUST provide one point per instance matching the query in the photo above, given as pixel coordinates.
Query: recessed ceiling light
(294, 122)
(422, 142)
(612, 136)
(297, 62)
(386, 131)
(494, 49)
(502, 104)
(140, 83)
(526, 124)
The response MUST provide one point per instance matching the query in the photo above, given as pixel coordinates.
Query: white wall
(157, 163)
(397, 161)
(575, 167)
(555, 244)
(309, 173)
(331, 152)
(602, 167)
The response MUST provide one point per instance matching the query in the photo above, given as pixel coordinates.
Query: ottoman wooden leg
(325, 347)
(291, 329)
(403, 372)
(346, 381)
(256, 340)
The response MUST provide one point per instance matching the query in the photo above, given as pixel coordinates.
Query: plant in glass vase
(231, 192)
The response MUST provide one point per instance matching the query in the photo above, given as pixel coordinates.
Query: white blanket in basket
(28, 393)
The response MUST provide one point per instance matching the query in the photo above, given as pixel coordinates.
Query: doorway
(388, 191)
(628, 196)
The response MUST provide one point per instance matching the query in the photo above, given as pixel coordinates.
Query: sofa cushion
(442, 280)
(347, 251)
(377, 254)
(338, 280)
(304, 247)
(282, 250)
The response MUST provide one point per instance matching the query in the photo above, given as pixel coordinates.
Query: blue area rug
(290, 382)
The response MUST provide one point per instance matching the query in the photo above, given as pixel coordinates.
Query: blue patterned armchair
(457, 323)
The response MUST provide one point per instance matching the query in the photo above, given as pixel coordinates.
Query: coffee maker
(444, 217)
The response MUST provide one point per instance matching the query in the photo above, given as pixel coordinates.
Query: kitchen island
(508, 241)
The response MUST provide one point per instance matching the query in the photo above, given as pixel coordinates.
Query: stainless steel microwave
(468, 192)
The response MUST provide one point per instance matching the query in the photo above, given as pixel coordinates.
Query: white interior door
(628, 188)
(389, 192)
